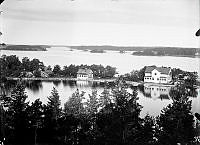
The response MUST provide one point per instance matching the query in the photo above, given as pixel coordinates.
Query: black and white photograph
(100, 72)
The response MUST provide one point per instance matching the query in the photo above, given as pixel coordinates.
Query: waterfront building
(155, 74)
(84, 74)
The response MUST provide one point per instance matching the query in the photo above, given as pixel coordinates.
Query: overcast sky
(101, 22)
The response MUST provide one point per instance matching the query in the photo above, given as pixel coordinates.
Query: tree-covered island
(12, 67)
(144, 51)
(25, 47)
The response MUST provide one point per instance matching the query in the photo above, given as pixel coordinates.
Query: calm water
(152, 98)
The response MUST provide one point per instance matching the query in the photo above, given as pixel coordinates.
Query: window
(158, 79)
(155, 74)
(152, 78)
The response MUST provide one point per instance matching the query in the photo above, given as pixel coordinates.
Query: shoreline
(60, 79)
(87, 80)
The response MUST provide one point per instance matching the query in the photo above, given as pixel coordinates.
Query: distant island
(144, 51)
(168, 51)
(97, 51)
(25, 47)
(138, 51)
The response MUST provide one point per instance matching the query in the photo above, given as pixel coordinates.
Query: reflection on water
(83, 84)
(69, 83)
(56, 83)
(35, 86)
(153, 98)
(157, 92)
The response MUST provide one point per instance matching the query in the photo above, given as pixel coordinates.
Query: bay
(152, 101)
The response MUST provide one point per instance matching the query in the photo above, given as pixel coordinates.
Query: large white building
(84, 74)
(155, 74)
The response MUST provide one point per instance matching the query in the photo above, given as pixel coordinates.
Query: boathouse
(84, 74)
(155, 74)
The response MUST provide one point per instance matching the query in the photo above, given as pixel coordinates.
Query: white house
(155, 74)
(84, 74)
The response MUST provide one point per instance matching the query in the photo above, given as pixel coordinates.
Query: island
(25, 47)
(144, 51)
(168, 51)
(97, 51)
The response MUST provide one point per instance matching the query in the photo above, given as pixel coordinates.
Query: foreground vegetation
(111, 118)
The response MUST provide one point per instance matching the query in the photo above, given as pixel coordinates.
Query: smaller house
(155, 74)
(85, 74)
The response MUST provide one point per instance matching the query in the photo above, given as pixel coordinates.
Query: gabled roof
(84, 71)
(149, 69)
(162, 70)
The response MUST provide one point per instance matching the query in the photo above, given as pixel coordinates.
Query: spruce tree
(176, 120)
(74, 110)
(74, 106)
(17, 106)
(121, 124)
(53, 105)
(52, 113)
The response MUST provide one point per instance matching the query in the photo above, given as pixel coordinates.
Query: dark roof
(149, 69)
(84, 71)
(162, 70)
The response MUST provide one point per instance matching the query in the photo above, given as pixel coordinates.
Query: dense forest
(110, 118)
